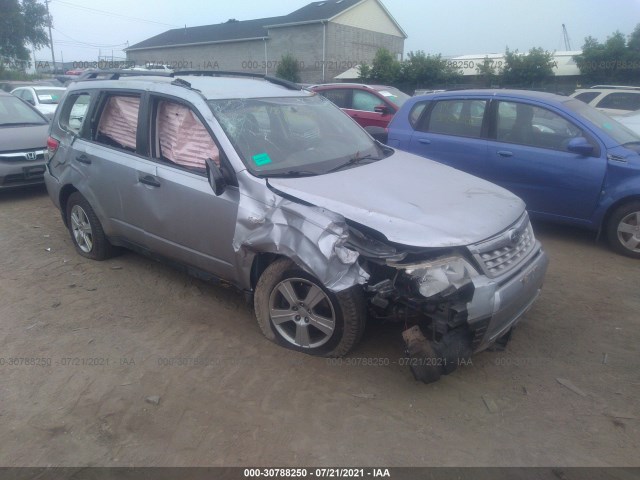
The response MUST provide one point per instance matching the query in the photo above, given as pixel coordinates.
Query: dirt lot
(103, 336)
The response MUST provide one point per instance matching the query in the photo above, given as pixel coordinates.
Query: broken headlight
(442, 276)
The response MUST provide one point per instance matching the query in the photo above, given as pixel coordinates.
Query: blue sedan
(569, 162)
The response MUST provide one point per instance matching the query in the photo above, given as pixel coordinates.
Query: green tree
(21, 24)
(288, 68)
(487, 71)
(422, 70)
(527, 70)
(364, 72)
(384, 68)
(614, 61)
(634, 39)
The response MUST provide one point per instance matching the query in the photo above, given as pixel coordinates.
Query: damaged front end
(453, 302)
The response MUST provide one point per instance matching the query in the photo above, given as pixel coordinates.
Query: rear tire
(296, 311)
(86, 230)
(623, 229)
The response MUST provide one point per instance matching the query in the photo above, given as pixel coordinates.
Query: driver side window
(365, 101)
(534, 126)
(181, 138)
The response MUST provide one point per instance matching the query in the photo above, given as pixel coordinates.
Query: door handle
(83, 159)
(149, 180)
(505, 153)
(424, 141)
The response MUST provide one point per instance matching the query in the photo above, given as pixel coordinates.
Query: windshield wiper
(353, 161)
(293, 173)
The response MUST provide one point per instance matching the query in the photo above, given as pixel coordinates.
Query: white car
(610, 99)
(44, 98)
(630, 120)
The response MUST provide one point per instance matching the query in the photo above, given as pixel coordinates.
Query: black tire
(86, 230)
(623, 229)
(345, 308)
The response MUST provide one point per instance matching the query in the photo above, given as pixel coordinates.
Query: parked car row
(267, 186)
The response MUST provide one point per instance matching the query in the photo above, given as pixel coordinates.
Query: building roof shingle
(247, 29)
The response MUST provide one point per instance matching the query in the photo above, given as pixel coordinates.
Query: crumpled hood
(411, 200)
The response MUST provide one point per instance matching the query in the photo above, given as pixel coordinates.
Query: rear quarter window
(416, 113)
(586, 97)
(74, 112)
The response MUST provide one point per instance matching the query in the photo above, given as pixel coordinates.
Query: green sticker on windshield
(261, 159)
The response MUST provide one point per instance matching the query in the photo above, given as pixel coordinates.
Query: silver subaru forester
(272, 188)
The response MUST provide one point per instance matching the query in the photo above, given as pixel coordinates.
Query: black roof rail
(225, 73)
(116, 74)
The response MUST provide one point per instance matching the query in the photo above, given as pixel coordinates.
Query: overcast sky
(451, 27)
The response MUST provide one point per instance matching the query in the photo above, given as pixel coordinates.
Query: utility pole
(53, 57)
(567, 42)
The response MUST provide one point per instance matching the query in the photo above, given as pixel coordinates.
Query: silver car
(255, 182)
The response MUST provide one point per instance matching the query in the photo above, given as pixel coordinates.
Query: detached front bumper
(498, 304)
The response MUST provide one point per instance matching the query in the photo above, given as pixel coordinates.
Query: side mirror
(216, 179)
(581, 146)
(31, 101)
(382, 109)
(378, 133)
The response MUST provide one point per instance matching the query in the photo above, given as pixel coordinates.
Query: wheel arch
(65, 193)
(260, 263)
(614, 206)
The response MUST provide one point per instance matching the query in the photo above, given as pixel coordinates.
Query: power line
(103, 12)
(79, 42)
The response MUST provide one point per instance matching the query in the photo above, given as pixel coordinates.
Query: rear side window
(74, 112)
(118, 124)
(457, 117)
(340, 96)
(415, 113)
(586, 97)
(621, 101)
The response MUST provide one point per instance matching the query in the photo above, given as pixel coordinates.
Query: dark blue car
(569, 162)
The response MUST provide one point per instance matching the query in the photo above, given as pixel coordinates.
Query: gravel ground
(129, 362)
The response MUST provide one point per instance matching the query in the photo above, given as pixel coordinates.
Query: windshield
(621, 134)
(294, 135)
(394, 95)
(14, 111)
(49, 97)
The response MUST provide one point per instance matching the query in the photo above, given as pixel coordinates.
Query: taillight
(52, 146)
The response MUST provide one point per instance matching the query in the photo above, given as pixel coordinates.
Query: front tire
(623, 229)
(296, 311)
(86, 230)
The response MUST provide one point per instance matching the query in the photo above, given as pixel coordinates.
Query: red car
(369, 105)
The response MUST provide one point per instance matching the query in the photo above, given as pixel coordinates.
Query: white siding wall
(368, 15)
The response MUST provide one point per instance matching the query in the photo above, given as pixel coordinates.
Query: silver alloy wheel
(81, 228)
(302, 313)
(629, 232)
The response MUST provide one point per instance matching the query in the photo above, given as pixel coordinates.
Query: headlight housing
(442, 276)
